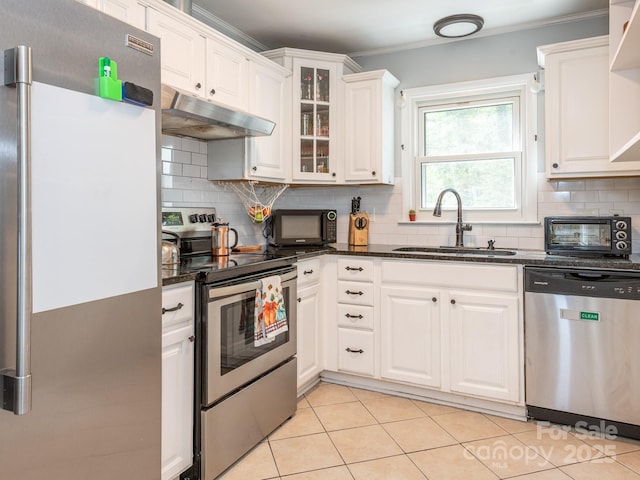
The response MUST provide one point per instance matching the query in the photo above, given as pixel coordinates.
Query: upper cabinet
(369, 127)
(624, 80)
(197, 62)
(577, 110)
(317, 112)
(129, 11)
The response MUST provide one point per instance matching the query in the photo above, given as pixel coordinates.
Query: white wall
(184, 161)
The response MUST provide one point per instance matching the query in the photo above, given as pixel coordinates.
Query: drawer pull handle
(348, 315)
(177, 307)
(308, 272)
(359, 269)
(354, 351)
(192, 339)
(349, 292)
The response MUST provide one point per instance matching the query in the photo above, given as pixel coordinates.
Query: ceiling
(360, 27)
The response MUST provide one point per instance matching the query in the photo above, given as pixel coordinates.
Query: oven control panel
(188, 221)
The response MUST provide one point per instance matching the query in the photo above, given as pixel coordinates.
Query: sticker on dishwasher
(579, 315)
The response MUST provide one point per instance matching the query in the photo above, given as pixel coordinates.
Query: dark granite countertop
(521, 257)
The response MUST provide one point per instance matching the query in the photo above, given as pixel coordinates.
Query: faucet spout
(460, 227)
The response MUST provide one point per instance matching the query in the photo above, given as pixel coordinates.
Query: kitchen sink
(458, 250)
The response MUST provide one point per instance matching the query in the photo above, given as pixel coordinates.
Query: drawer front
(177, 304)
(355, 293)
(355, 351)
(353, 268)
(308, 272)
(355, 316)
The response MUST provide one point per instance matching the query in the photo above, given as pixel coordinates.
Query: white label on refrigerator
(94, 213)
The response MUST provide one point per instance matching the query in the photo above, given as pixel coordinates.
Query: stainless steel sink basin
(458, 250)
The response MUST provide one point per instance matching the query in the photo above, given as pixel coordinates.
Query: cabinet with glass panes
(317, 99)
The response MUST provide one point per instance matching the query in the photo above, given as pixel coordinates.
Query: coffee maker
(358, 224)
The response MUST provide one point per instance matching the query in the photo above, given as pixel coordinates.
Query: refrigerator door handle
(15, 386)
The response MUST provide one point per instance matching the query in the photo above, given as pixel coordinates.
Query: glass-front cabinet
(314, 112)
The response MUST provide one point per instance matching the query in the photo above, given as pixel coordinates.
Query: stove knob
(621, 245)
(211, 217)
(193, 218)
(202, 218)
(621, 235)
(621, 225)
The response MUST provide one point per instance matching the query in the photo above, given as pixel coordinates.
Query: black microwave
(594, 236)
(302, 227)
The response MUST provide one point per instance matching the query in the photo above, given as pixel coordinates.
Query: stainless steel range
(245, 365)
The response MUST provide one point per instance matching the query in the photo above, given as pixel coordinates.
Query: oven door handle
(223, 291)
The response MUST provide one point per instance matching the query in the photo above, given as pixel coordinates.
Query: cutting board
(247, 248)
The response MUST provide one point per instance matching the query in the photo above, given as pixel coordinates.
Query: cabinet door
(268, 98)
(484, 345)
(129, 11)
(227, 73)
(177, 400)
(362, 134)
(309, 335)
(183, 52)
(410, 334)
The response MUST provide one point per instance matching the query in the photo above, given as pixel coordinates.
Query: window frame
(473, 91)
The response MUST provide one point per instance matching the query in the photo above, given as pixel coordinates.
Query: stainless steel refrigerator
(80, 289)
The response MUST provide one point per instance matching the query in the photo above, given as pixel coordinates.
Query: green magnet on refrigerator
(108, 84)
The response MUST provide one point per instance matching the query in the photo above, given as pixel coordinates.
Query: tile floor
(344, 433)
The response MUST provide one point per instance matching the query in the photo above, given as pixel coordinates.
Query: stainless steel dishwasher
(582, 348)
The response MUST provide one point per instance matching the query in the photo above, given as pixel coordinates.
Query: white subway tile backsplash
(185, 183)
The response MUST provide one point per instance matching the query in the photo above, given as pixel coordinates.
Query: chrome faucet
(460, 228)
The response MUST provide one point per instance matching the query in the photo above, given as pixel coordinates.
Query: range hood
(189, 116)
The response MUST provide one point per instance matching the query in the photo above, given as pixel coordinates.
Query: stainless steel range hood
(186, 115)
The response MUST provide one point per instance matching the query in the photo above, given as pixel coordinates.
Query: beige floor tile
(512, 426)
(390, 468)
(507, 457)
(554, 474)
(304, 422)
(609, 445)
(558, 446)
(303, 454)
(333, 473)
(344, 415)
(362, 394)
(329, 394)
(303, 403)
(418, 434)
(364, 443)
(393, 409)
(469, 426)
(258, 464)
(600, 469)
(451, 463)
(631, 460)
(433, 409)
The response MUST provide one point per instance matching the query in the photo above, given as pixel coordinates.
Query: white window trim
(415, 97)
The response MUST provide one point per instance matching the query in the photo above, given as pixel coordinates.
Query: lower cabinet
(310, 328)
(177, 379)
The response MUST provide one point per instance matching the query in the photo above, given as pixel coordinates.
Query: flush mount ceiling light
(456, 26)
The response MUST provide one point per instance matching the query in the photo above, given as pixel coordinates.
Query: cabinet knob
(555, 165)
(192, 339)
(333, 174)
(373, 174)
(212, 92)
(434, 299)
(299, 299)
(453, 302)
(255, 169)
(354, 351)
(198, 86)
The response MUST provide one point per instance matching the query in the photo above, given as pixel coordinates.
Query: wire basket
(257, 198)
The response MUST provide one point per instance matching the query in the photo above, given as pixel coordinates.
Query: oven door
(231, 357)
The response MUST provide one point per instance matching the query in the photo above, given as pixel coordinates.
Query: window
(477, 138)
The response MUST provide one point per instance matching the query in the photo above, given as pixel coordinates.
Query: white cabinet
(309, 313)
(269, 158)
(443, 327)
(317, 110)
(624, 81)
(177, 379)
(369, 106)
(410, 334)
(129, 11)
(577, 110)
(356, 351)
(183, 51)
(196, 61)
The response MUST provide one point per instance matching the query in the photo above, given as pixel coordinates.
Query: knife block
(358, 229)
